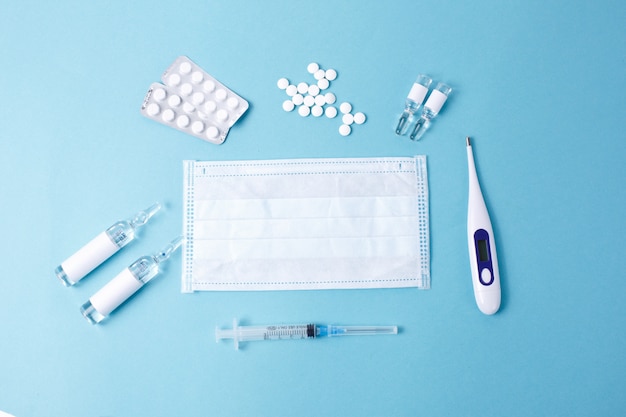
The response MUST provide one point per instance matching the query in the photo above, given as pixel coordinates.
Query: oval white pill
(303, 88)
(344, 130)
(197, 77)
(297, 99)
(186, 89)
(331, 112)
(197, 98)
(153, 109)
(197, 127)
(232, 103)
(345, 107)
(330, 98)
(210, 106)
(320, 100)
(359, 118)
(304, 111)
(347, 119)
(291, 90)
(159, 94)
(312, 67)
(319, 74)
(212, 132)
(182, 121)
(168, 115)
(189, 108)
(282, 83)
(222, 115)
(331, 74)
(221, 94)
(317, 111)
(173, 80)
(314, 90)
(209, 86)
(174, 101)
(323, 84)
(309, 101)
(288, 105)
(185, 68)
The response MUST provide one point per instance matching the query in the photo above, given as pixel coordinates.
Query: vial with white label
(102, 247)
(413, 102)
(126, 283)
(431, 109)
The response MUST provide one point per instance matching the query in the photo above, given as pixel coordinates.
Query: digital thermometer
(481, 244)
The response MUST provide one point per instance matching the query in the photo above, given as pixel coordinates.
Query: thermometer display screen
(483, 250)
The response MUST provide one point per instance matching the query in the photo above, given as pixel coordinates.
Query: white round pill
(189, 108)
(159, 94)
(182, 121)
(330, 98)
(345, 107)
(291, 90)
(212, 132)
(347, 119)
(210, 106)
(185, 68)
(209, 86)
(221, 94)
(319, 74)
(312, 67)
(304, 111)
(153, 109)
(168, 115)
(320, 100)
(222, 115)
(331, 74)
(309, 101)
(323, 84)
(198, 98)
(331, 112)
(288, 105)
(186, 89)
(197, 77)
(174, 101)
(282, 83)
(297, 99)
(232, 103)
(344, 130)
(317, 111)
(359, 118)
(303, 88)
(173, 80)
(314, 90)
(197, 126)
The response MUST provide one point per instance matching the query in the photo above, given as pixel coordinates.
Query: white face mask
(306, 224)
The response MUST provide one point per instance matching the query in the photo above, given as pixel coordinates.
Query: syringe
(296, 331)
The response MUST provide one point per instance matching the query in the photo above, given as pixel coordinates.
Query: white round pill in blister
(304, 111)
(323, 84)
(319, 74)
(331, 112)
(312, 67)
(209, 86)
(303, 88)
(168, 115)
(174, 101)
(320, 100)
(359, 118)
(222, 115)
(197, 77)
(232, 103)
(330, 98)
(189, 108)
(197, 126)
(344, 130)
(282, 83)
(291, 90)
(198, 98)
(153, 109)
(288, 105)
(331, 74)
(221, 94)
(309, 101)
(186, 89)
(347, 119)
(185, 68)
(173, 80)
(212, 132)
(297, 99)
(182, 121)
(159, 94)
(345, 107)
(317, 111)
(210, 106)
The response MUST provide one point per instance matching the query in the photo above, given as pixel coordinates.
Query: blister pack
(194, 102)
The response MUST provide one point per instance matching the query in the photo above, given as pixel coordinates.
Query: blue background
(539, 86)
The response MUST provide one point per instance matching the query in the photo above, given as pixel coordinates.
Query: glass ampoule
(431, 109)
(102, 247)
(413, 102)
(126, 283)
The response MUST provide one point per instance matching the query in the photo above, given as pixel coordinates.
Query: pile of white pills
(313, 99)
(193, 102)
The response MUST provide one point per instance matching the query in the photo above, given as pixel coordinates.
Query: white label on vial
(435, 101)
(115, 292)
(417, 93)
(89, 257)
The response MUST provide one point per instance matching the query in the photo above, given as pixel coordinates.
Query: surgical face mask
(302, 224)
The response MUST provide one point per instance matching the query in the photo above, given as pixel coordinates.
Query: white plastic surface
(115, 292)
(98, 250)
